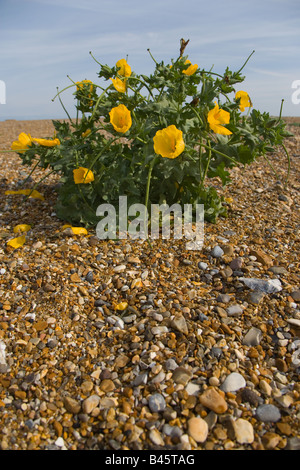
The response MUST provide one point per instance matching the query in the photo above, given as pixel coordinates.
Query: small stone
(256, 297)
(203, 266)
(120, 268)
(213, 400)
(179, 324)
(233, 382)
(270, 440)
(72, 405)
(243, 430)
(293, 443)
(223, 298)
(107, 385)
(156, 438)
(262, 257)
(236, 264)
(234, 310)
(90, 403)
(48, 287)
(252, 337)
(157, 403)
(122, 360)
(86, 387)
(267, 286)
(265, 387)
(228, 250)
(182, 375)
(268, 413)
(251, 397)
(171, 364)
(296, 295)
(217, 252)
(278, 270)
(197, 429)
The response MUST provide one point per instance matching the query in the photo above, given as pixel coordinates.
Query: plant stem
(151, 166)
(207, 165)
(289, 164)
(245, 62)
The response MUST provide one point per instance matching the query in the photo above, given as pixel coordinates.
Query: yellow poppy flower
(120, 118)
(169, 142)
(191, 69)
(83, 175)
(244, 98)
(27, 192)
(217, 118)
(17, 242)
(47, 142)
(120, 85)
(124, 68)
(22, 228)
(84, 82)
(21, 145)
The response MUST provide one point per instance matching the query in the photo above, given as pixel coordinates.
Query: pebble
(156, 403)
(268, 413)
(223, 298)
(234, 310)
(268, 286)
(243, 430)
(252, 337)
(217, 252)
(156, 438)
(296, 295)
(197, 429)
(203, 266)
(90, 403)
(182, 375)
(213, 400)
(233, 382)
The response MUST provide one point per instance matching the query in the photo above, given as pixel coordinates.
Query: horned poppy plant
(21, 145)
(169, 142)
(124, 68)
(120, 85)
(217, 118)
(162, 141)
(83, 175)
(244, 100)
(120, 118)
(191, 69)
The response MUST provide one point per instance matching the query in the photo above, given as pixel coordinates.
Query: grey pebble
(217, 252)
(256, 297)
(224, 298)
(234, 310)
(268, 413)
(252, 337)
(156, 403)
(203, 266)
(269, 286)
(171, 364)
(233, 382)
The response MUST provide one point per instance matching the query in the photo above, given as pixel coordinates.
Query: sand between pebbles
(198, 359)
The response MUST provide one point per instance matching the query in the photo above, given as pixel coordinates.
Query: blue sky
(43, 41)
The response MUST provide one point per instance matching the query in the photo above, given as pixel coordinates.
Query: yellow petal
(27, 192)
(121, 306)
(124, 68)
(22, 228)
(119, 84)
(47, 142)
(79, 230)
(17, 242)
(229, 200)
(83, 175)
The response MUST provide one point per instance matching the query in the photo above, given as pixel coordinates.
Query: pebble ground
(201, 357)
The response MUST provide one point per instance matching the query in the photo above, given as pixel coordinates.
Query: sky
(44, 41)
